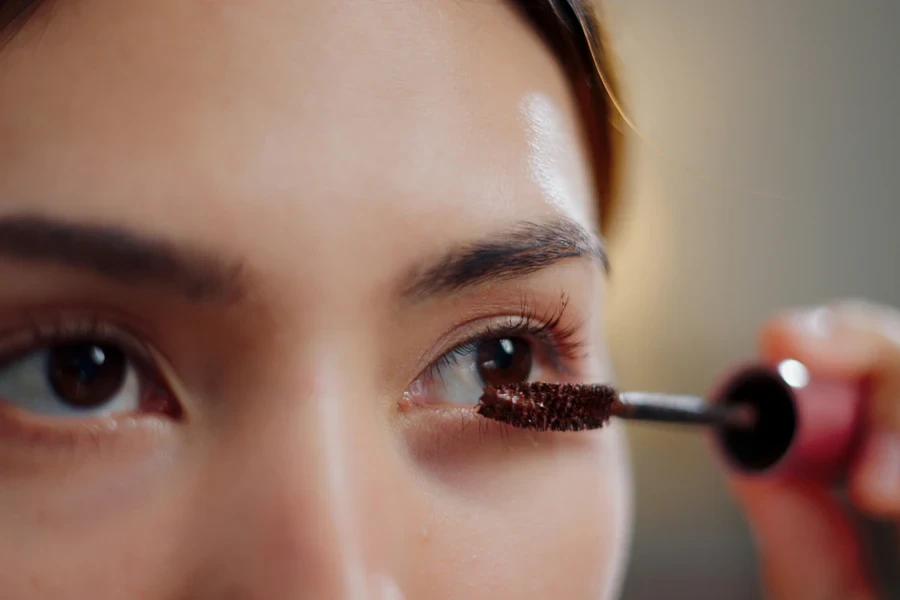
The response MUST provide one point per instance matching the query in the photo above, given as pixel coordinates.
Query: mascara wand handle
(672, 408)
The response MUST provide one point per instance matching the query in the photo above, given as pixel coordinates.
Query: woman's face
(257, 261)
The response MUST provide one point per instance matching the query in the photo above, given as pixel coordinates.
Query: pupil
(86, 375)
(504, 361)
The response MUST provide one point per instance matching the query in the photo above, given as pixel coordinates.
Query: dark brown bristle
(549, 406)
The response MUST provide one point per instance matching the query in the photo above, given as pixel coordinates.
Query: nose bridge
(322, 519)
(345, 430)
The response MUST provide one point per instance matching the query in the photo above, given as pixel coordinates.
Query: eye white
(25, 383)
(457, 381)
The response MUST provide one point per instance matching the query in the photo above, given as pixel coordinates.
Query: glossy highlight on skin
(553, 161)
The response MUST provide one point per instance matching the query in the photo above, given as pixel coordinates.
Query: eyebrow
(524, 249)
(120, 255)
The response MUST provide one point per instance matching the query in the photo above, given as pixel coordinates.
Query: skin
(328, 149)
(328, 171)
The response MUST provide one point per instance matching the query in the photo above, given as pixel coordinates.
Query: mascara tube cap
(806, 428)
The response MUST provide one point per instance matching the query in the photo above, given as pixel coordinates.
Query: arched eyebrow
(121, 256)
(130, 258)
(525, 248)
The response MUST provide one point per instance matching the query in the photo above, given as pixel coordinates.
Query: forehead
(335, 113)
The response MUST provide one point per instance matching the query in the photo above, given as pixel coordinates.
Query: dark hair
(13, 14)
(572, 31)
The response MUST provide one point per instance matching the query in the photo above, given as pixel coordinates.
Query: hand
(808, 546)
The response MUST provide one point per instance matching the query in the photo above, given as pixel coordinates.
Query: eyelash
(561, 345)
(41, 333)
(558, 342)
(38, 333)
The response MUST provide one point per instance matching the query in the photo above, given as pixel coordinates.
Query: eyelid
(66, 327)
(30, 443)
(538, 317)
(47, 327)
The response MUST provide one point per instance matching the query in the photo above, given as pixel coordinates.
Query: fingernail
(881, 466)
(816, 324)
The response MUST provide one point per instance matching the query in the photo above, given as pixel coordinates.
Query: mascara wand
(672, 408)
(766, 420)
(577, 407)
(771, 421)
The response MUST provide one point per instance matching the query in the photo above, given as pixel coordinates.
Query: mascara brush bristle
(544, 406)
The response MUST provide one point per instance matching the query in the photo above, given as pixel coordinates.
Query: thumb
(808, 546)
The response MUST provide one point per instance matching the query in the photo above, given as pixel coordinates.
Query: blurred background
(767, 175)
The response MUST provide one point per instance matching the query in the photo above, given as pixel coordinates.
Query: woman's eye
(502, 361)
(85, 378)
(460, 376)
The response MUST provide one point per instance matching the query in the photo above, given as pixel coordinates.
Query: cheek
(105, 529)
(551, 521)
(128, 556)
